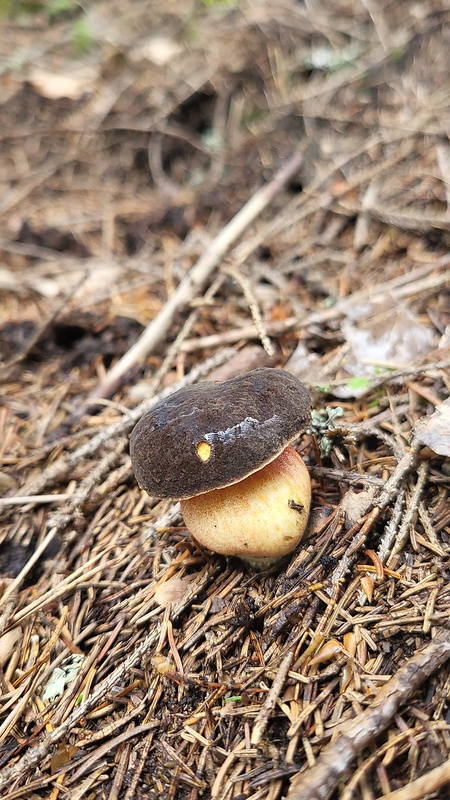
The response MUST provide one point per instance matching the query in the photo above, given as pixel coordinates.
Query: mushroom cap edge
(208, 435)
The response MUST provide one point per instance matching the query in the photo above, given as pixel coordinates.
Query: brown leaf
(435, 430)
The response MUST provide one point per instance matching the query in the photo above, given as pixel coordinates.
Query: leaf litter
(291, 159)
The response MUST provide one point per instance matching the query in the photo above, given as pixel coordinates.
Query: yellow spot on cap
(203, 450)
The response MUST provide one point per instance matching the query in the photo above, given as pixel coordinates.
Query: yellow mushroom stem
(259, 519)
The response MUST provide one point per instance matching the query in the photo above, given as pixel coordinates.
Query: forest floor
(191, 190)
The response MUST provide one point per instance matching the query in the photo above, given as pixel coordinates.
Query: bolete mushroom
(224, 451)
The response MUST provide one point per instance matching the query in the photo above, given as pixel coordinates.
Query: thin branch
(265, 712)
(195, 280)
(430, 782)
(337, 757)
(33, 499)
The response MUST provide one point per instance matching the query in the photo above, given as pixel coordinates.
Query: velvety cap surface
(212, 435)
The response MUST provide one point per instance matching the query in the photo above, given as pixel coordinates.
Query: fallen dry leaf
(435, 430)
(7, 644)
(172, 590)
(355, 504)
(55, 85)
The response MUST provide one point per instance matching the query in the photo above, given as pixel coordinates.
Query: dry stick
(344, 476)
(99, 752)
(405, 527)
(336, 758)
(244, 283)
(398, 217)
(31, 499)
(141, 759)
(175, 348)
(397, 287)
(390, 531)
(196, 278)
(392, 485)
(262, 720)
(418, 789)
(385, 497)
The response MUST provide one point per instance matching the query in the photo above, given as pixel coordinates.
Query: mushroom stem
(260, 518)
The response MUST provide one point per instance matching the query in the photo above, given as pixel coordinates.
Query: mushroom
(224, 451)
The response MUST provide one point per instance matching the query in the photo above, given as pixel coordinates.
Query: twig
(398, 217)
(391, 528)
(317, 782)
(32, 499)
(430, 782)
(196, 278)
(86, 764)
(404, 530)
(265, 712)
(253, 306)
(133, 779)
(176, 347)
(345, 476)
(385, 497)
(392, 486)
(398, 288)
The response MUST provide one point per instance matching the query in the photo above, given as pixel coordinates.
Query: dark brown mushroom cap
(212, 435)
